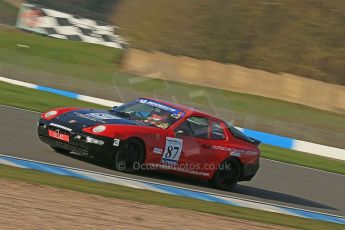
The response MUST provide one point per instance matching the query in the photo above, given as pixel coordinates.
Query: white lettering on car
(116, 142)
(234, 151)
(99, 117)
(157, 150)
(102, 116)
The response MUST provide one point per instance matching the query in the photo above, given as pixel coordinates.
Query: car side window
(184, 129)
(217, 131)
(195, 126)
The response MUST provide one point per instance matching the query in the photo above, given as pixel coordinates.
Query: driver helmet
(158, 115)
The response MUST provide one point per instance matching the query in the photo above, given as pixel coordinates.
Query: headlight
(94, 141)
(99, 129)
(50, 113)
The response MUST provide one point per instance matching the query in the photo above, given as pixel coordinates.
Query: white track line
(17, 108)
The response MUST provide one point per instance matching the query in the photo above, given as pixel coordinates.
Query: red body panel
(59, 112)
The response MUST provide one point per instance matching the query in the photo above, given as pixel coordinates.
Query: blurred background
(269, 65)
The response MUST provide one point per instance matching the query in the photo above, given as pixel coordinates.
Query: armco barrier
(168, 189)
(266, 138)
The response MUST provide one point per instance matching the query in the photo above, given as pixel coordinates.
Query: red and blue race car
(151, 134)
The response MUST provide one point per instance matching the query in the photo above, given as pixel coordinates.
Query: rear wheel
(60, 150)
(130, 156)
(227, 175)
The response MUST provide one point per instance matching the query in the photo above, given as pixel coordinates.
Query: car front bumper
(80, 142)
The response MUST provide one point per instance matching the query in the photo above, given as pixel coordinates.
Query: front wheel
(227, 175)
(130, 156)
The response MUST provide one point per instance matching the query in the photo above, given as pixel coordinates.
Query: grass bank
(303, 159)
(35, 100)
(70, 58)
(300, 37)
(8, 13)
(241, 103)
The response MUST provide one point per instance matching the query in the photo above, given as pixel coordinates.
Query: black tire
(60, 150)
(130, 156)
(227, 175)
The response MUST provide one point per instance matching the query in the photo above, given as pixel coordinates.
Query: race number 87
(172, 150)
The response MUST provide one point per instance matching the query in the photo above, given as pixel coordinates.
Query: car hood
(83, 118)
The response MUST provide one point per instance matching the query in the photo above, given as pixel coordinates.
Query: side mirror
(179, 133)
(114, 107)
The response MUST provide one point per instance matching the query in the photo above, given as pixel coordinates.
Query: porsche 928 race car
(151, 134)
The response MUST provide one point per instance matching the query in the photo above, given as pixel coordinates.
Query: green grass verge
(303, 159)
(41, 101)
(149, 197)
(64, 57)
(8, 13)
(265, 108)
(36, 100)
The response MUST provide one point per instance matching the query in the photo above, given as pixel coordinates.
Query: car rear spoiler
(254, 141)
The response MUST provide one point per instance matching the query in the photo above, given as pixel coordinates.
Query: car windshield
(149, 112)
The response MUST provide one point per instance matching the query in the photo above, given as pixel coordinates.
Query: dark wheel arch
(228, 174)
(130, 155)
(239, 162)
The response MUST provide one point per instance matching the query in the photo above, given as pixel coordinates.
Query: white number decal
(172, 152)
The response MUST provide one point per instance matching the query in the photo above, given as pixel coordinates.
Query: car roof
(187, 109)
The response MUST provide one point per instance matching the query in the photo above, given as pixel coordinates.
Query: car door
(193, 135)
(180, 144)
(201, 148)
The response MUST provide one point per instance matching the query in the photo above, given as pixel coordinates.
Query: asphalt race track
(275, 182)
